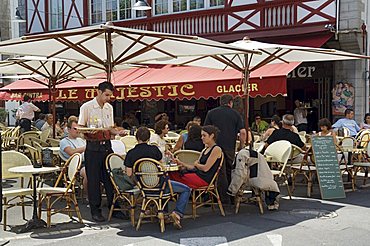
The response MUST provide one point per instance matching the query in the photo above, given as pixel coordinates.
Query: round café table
(35, 222)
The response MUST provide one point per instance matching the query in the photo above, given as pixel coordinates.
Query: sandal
(176, 221)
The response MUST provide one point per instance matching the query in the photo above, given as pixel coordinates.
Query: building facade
(340, 24)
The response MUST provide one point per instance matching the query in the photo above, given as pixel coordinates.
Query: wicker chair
(24, 138)
(6, 139)
(187, 156)
(10, 196)
(116, 161)
(52, 195)
(39, 141)
(53, 142)
(211, 189)
(279, 152)
(129, 141)
(257, 197)
(45, 134)
(155, 189)
(10, 138)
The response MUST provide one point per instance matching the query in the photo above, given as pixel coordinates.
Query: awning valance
(162, 83)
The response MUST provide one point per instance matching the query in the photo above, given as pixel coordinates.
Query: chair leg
(161, 221)
(132, 210)
(142, 213)
(366, 175)
(309, 184)
(112, 207)
(219, 202)
(238, 199)
(294, 173)
(260, 204)
(23, 210)
(193, 205)
(69, 207)
(78, 212)
(40, 199)
(288, 188)
(354, 176)
(5, 212)
(48, 211)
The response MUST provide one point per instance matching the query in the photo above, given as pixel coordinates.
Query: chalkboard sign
(328, 172)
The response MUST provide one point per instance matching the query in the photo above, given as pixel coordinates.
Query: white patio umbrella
(109, 46)
(269, 53)
(50, 72)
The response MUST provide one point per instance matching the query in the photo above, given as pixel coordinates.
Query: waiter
(26, 113)
(99, 113)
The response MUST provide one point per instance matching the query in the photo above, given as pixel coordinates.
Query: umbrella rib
(146, 44)
(228, 62)
(142, 51)
(268, 59)
(78, 43)
(61, 70)
(80, 49)
(76, 69)
(129, 47)
(23, 64)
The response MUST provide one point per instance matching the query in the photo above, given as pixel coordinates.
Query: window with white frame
(196, 4)
(111, 10)
(96, 11)
(214, 3)
(125, 9)
(55, 14)
(160, 7)
(179, 5)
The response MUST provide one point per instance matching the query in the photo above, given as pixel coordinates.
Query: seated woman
(326, 130)
(274, 125)
(183, 137)
(202, 170)
(194, 141)
(144, 150)
(366, 124)
(161, 129)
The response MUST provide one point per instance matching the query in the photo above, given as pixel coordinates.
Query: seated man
(251, 169)
(348, 122)
(286, 133)
(143, 150)
(74, 144)
(48, 125)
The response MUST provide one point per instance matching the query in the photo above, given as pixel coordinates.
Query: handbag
(122, 180)
(47, 157)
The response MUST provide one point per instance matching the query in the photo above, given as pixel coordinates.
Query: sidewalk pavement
(300, 221)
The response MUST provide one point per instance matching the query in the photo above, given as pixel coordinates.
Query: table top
(31, 169)
(171, 168)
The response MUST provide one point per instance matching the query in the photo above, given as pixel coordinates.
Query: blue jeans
(184, 194)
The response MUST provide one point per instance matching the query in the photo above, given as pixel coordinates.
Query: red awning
(316, 40)
(163, 82)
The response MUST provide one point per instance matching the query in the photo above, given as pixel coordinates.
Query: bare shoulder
(217, 151)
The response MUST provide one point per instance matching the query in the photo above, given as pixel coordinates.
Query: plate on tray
(88, 129)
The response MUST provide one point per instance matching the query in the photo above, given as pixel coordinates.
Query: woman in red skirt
(201, 172)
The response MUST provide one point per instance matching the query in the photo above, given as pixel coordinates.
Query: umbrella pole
(109, 65)
(53, 84)
(246, 96)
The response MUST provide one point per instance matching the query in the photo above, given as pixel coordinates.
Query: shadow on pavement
(236, 226)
